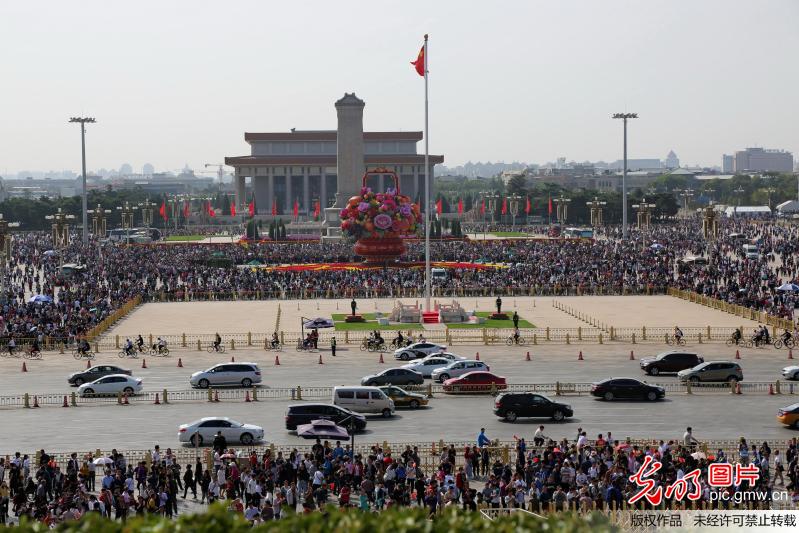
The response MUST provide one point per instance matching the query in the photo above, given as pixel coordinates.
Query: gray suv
(227, 374)
(711, 371)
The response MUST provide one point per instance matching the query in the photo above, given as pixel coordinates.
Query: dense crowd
(608, 264)
(264, 486)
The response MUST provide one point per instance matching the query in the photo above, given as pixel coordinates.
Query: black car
(511, 405)
(96, 372)
(306, 413)
(673, 361)
(393, 376)
(627, 389)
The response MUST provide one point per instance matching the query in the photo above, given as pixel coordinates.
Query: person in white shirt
(318, 478)
(582, 440)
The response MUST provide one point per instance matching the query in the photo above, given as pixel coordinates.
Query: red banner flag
(419, 64)
(211, 212)
(162, 211)
(317, 209)
(460, 206)
(439, 206)
(251, 208)
(186, 211)
(504, 206)
(550, 205)
(527, 207)
(274, 207)
(483, 207)
(232, 209)
(296, 209)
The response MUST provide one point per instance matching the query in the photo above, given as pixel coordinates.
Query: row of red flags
(504, 210)
(211, 212)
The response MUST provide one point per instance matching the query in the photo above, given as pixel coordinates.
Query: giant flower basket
(379, 221)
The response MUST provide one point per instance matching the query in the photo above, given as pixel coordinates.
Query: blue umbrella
(788, 287)
(40, 299)
(318, 323)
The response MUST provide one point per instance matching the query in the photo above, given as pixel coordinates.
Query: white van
(363, 400)
(439, 274)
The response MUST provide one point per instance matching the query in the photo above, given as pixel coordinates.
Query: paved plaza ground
(260, 316)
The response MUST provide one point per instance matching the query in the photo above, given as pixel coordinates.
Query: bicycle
(302, 346)
(733, 342)
(133, 354)
(6, 353)
(163, 352)
(371, 346)
(77, 354)
(212, 349)
(29, 353)
(278, 347)
(788, 343)
(673, 340)
(510, 341)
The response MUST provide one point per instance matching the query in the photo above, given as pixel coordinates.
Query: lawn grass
(185, 237)
(492, 324)
(370, 324)
(509, 234)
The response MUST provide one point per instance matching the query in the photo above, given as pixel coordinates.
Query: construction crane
(220, 173)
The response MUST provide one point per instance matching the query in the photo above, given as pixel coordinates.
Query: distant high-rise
(147, 169)
(125, 170)
(672, 161)
(727, 164)
(762, 160)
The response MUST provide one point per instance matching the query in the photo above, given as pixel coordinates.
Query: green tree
(517, 185)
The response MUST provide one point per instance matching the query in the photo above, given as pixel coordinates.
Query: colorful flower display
(379, 215)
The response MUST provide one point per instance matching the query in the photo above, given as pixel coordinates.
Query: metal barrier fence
(431, 389)
(735, 309)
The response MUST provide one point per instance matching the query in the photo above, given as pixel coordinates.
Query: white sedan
(418, 350)
(430, 363)
(790, 372)
(113, 384)
(205, 429)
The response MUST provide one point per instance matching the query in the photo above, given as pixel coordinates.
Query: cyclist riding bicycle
(678, 333)
(378, 339)
(307, 342)
(736, 336)
(140, 343)
(83, 347)
(128, 347)
(786, 336)
(35, 346)
(160, 345)
(217, 342)
(398, 340)
(516, 335)
(275, 340)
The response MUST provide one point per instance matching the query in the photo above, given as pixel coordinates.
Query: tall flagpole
(426, 190)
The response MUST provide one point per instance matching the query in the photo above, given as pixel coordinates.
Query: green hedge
(219, 520)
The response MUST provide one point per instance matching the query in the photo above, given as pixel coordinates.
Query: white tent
(788, 208)
(747, 210)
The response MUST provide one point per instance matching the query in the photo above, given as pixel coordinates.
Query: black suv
(306, 413)
(670, 362)
(511, 405)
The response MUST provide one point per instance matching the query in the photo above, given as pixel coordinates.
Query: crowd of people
(649, 261)
(262, 485)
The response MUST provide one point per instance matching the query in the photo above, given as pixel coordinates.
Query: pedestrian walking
(333, 345)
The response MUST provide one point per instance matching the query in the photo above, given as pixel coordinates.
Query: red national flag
(274, 207)
(460, 206)
(550, 205)
(419, 64)
(483, 207)
(296, 209)
(162, 211)
(251, 208)
(232, 209)
(527, 207)
(439, 206)
(504, 206)
(186, 211)
(317, 209)
(211, 212)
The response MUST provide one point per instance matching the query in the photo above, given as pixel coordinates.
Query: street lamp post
(710, 222)
(562, 208)
(770, 191)
(60, 228)
(147, 213)
(686, 195)
(596, 211)
(739, 192)
(624, 117)
(83, 121)
(5, 238)
(513, 205)
(491, 198)
(127, 211)
(644, 218)
(98, 220)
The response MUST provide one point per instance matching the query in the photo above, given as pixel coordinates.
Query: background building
(763, 160)
(727, 164)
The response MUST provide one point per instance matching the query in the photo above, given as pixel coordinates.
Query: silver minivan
(363, 400)
(227, 374)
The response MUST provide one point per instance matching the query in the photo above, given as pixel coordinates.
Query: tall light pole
(513, 205)
(596, 211)
(562, 208)
(60, 228)
(624, 117)
(83, 121)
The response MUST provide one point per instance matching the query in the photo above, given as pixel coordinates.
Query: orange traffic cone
(737, 354)
(770, 389)
(528, 356)
(632, 356)
(247, 396)
(35, 401)
(125, 399)
(216, 396)
(65, 401)
(24, 367)
(320, 359)
(157, 400)
(580, 356)
(88, 364)
(477, 356)
(144, 363)
(790, 353)
(232, 358)
(180, 363)
(277, 360)
(738, 388)
(381, 358)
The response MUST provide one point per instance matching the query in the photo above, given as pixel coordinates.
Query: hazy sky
(175, 82)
